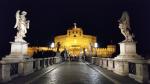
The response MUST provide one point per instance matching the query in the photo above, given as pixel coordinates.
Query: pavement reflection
(73, 73)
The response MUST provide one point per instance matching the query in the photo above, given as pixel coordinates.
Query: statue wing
(128, 23)
(28, 24)
(17, 18)
(125, 19)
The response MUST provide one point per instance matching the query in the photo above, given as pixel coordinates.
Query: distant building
(75, 42)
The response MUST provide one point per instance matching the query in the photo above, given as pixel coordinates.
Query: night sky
(96, 17)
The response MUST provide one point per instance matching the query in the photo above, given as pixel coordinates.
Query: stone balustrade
(136, 69)
(10, 70)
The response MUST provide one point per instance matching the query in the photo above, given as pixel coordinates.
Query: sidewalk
(32, 77)
(112, 76)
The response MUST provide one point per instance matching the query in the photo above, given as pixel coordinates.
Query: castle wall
(74, 42)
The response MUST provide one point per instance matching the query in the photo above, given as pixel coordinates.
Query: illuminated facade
(75, 42)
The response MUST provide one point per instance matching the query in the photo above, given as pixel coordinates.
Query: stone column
(97, 61)
(44, 59)
(142, 73)
(5, 72)
(121, 67)
(110, 64)
(93, 61)
(104, 63)
(48, 61)
(25, 67)
(57, 59)
(38, 64)
(100, 62)
(35, 64)
(42, 63)
(29, 67)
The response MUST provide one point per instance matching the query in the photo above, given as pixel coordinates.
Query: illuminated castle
(75, 42)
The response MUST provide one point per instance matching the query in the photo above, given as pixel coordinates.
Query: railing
(149, 70)
(13, 69)
(50, 61)
(136, 69)
(132, 68)
(34, 64)
(113, 64)
(9, 70)
(0, 71)
(46, 62)
(42, 63)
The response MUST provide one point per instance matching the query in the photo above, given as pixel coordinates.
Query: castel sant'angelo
(75, 42)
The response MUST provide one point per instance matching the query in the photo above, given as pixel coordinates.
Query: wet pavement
(73, 73)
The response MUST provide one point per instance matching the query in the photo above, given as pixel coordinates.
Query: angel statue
(22, 25)
(58, 46)
(124, 25)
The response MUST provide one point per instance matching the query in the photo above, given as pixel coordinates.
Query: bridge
(56, 71)
(86, 67)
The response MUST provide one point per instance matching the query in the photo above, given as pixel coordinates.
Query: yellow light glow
(75, 42)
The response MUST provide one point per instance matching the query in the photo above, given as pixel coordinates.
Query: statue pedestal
(19, 56)
(18, 51)
(128, 51)
(58, 57)
(58, 54)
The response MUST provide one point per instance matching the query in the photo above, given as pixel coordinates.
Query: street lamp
(85, 50)
(52, 45)
(95, 46)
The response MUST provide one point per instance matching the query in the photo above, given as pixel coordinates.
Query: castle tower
(73, 40)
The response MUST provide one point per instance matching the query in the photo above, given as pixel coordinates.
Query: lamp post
(84, 53)
(95, 46)
(52, 45)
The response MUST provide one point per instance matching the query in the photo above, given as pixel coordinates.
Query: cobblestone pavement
(73, 73)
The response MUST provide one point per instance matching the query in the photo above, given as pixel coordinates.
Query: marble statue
(22, 25)
(128, 46)
(58, 46)
(124, 25)
(75, 25)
